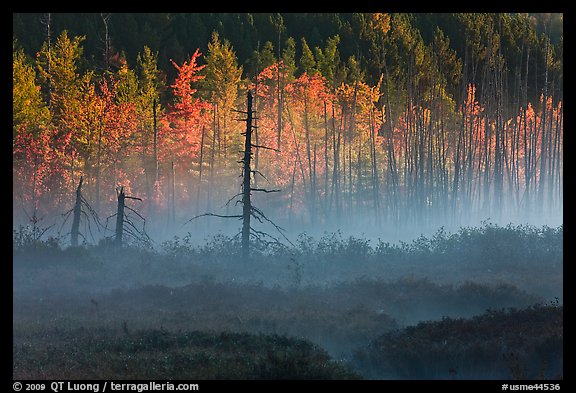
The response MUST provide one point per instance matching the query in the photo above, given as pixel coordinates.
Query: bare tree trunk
(555, 161)
(48, 23)
(155, 143)
(326, 212)
(335, 187)
(76, 218)
(98, 164)
(525, 139)
(313, 190)
(279, 92)
(309, 156)
(543, 150)
(212, 154)
(173, 195)
(246, 203)
(120, 217)
(105, 18)
(279, 121)
(201, 164)
(290, 211)
(375, 191)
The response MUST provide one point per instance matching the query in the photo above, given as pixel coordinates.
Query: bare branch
(66, 217)
(230, 200)
(264, 190)
(135, 212)
(237, 111)
(211, 215)
(256, 217)
(278, 228)
(256, 171)
(266, 147)
(264, 235)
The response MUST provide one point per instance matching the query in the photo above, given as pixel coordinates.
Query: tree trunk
(173, 195)
(201, 164)
(246, 203)
(155, 144)
(76, 218)
(48, 23)
(543, 143)
(120, 217)
(325, 162)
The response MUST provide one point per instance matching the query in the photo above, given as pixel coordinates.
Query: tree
(124, 224)
(289, 58)
(58, 65)
(329, 59)
(148, 110)
(28, 108)
(221, 84)
(248, 209)
(183, 136)
(307, 62)
(58, 74)
(266, 56)
(30, 132)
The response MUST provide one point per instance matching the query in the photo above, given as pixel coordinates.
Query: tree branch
(264, 190)
(266, 147)
(211, 215)
(256, 171)
(230, 200)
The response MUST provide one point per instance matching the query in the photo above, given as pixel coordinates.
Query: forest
(393, 157)
(418, 126)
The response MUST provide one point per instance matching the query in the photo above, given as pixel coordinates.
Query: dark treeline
(387, 119)
(177, 35)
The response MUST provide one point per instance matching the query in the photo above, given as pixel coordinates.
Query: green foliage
(267, 57)
(222, 72)
(289, 57)
(59, 73)
(328, 59)
(127, 87)
(369, 36)
(28, 107)
(148, 73)
(307, 61)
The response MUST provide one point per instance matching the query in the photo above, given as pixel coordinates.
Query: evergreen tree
(307, 62)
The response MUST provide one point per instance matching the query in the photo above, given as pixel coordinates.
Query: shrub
(503, 344)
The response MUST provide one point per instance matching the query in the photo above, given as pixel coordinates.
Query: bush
(157, 354)
(505, 344)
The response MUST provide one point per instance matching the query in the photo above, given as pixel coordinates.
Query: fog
(236, 196)
(352, 274)
(341, 287)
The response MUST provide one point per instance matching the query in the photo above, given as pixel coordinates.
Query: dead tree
(120, 217)
(76, 219)
(124, 224)
(246, 202)
(249, 211)
(81, 208)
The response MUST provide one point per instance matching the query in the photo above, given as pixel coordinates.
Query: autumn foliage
(399, 151)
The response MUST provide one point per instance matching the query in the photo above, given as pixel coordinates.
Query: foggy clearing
(238, 199)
